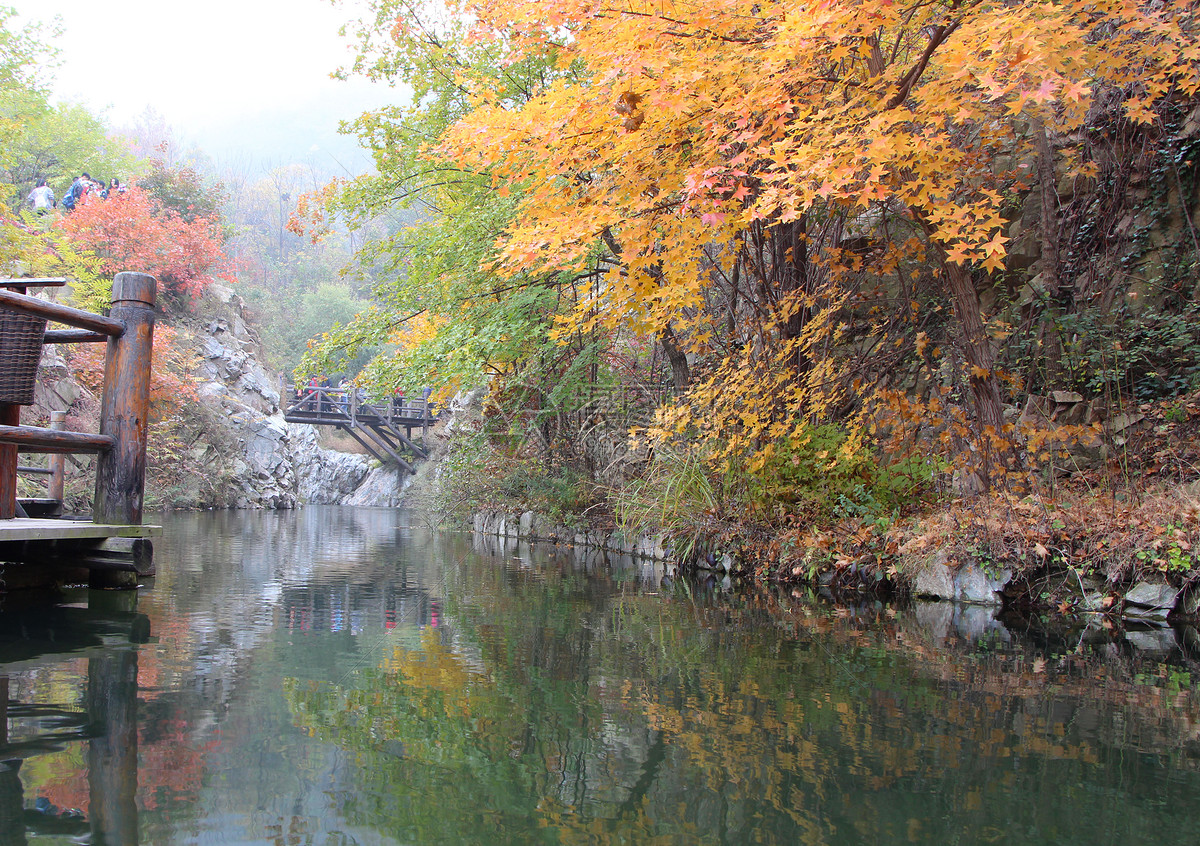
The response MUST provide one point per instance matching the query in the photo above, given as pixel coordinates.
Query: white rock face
(324, 476)
(967, 583)
(56, 388)
(228, 353)
(382, 487)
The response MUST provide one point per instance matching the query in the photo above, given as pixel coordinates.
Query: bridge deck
(363, 415)
(335, 407)
(383, 428)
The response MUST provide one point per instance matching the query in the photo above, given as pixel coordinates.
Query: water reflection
(37, 636)
(336, 676)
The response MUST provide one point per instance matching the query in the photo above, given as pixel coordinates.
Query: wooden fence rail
(125, 401)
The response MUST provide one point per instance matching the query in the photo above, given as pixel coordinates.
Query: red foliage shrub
(130, 231)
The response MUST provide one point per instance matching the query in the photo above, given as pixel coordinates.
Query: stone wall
(532, 526)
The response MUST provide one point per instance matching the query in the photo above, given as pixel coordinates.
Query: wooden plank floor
(47, 528)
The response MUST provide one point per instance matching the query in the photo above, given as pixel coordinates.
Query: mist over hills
(305, 131)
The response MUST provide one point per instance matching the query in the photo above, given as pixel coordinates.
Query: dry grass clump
(1134, 516)
(1091, 533)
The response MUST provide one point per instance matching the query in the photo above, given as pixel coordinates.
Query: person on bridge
(326, 405)
(313, 385)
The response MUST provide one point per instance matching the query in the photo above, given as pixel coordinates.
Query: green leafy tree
(442, 315)
(183, 190)
(57, 143)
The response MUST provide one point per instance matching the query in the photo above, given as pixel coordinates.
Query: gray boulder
(966, 583)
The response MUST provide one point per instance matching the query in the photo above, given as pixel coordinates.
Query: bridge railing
(120, 444)
(337, 404)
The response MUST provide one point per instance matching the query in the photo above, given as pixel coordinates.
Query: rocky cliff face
(269, 463)
(324, 476)
(382, 486)
(232, 448)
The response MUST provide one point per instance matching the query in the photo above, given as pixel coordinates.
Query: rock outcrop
(232, 448)
(969, 582)
(243, 446)
(324, 476)
(383, 486)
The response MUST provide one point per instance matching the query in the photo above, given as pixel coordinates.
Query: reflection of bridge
(356, 607)
(384, 429)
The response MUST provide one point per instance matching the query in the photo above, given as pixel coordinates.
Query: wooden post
(58, 461)
(113, 750)
(125, 407)
(10, 415)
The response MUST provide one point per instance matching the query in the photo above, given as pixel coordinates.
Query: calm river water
(336, 676)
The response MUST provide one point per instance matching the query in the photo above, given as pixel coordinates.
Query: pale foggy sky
(215, 70)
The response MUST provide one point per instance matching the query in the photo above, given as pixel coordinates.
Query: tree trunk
(789, 249)
(680, 372)
(985, 387)
(789, 269)
(1051, 343)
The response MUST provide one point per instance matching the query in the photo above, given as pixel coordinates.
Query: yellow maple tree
(746, 165)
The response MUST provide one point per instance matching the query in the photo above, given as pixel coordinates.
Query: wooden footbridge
(112, 549)
(383, 428)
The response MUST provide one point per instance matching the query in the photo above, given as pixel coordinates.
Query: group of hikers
(41, 199)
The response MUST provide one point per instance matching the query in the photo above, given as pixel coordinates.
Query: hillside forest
(819, 286)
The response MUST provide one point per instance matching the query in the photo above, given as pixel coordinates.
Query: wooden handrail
(39, 439)
(72, 336)
(35, 282)
(61, 314)
(321, 399)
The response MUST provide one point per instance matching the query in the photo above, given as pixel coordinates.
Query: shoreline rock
(531, 526)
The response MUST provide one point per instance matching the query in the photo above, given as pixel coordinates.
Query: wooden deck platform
(44, 551)
(46, 528)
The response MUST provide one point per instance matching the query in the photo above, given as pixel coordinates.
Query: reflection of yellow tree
(434, 667)
(565, 708)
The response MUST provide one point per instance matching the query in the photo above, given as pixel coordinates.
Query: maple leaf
(958, 254)
(996, 246)
(1076, 91)
(1044, 92)
(995, 261)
